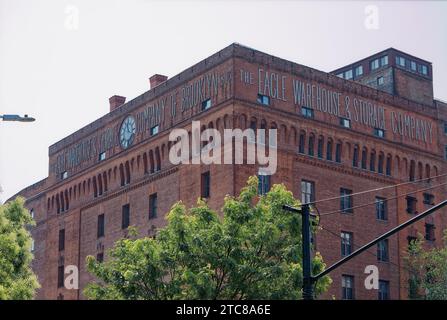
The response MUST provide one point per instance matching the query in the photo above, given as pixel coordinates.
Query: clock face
(127, 132)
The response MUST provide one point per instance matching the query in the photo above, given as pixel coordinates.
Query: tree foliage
(427, 271)
(252, 252)
(17, 280)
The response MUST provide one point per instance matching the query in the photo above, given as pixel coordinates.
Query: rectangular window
(429, 232)
(125, 218)
(359, 71)
(380, 81)
(100, 257)
(32, 245)
(381, 209)
(445, 128)
(383, 61)
(384, 290)
(379, 133)
(346, 243)
(206, 104)
(411, 240)
(263, 99)
(62, 240)
(263, 183)
(60, 276)
(102, 156)
(382, 251)
(346, 123)
(429, 198)
(153, 205)
(348, 74)
(413, 66)
(307, 191)
(424, 70)
(400, 61)
(411, 205)
(375, 64)
(205, 185)
(64, 175)
(346, 200)
(154, 130)
(347, 285)
(100, 230)
(338, 153)
(307, 112)
(31, 212)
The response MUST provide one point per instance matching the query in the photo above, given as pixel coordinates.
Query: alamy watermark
(209, 147)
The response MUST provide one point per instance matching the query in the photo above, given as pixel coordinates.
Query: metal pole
(307, 259)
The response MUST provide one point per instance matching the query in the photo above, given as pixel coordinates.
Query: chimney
(156, 80)
(116, 101)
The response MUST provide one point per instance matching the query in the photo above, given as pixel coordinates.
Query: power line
(373, 190)
(357, 246)
(387, 199)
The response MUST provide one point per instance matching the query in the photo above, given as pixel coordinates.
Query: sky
(61, 60)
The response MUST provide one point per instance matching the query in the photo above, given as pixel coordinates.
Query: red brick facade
(91, 174)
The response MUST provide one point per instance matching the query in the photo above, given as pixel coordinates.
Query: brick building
(371, 124)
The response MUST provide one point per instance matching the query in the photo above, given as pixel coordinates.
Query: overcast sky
(60, 60)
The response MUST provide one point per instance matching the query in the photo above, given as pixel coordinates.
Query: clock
(127, 132)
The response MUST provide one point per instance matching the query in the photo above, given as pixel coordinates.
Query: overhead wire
(374, 189)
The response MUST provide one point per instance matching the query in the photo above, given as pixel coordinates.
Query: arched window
(104, 178)
(157, 159)
(412, 170)
(311, 145)
(380, 164)
(420, 171)
(302, 142)
(388, 165)
(122, 180)
(62, 201)
(320, 147)
(67, 204)
(364, 157)
(100, 189)
(355, 156)
(372, 161)
(127, 172)
(151, 161)
(145, 163)
(95, 188)
(58, 204)
(329, 150)
(338, 152)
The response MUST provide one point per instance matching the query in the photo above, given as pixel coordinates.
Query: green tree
(427, 271)
(252, 252)
(17, 280)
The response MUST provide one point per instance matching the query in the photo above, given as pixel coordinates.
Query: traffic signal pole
(308, 279)
(307, 257)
